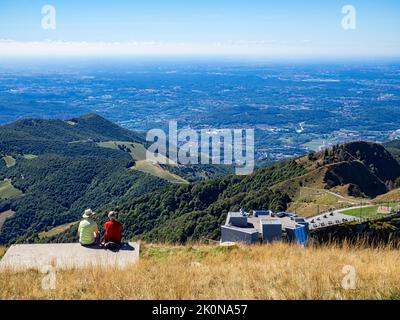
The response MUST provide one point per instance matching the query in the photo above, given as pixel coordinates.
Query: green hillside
(393, 147)
(356, 170)
(196, 211)
(8, 191)
(10, 161)
(346, 173)
(36, 137)
(61, 170)
(63, 167)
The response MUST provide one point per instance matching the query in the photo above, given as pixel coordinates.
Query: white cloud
(256, 48)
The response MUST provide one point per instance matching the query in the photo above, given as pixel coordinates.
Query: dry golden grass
(279, 271)
(2, 251)
(393, 195)
(156, 170)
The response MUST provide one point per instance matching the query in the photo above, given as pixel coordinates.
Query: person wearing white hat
(88, 231)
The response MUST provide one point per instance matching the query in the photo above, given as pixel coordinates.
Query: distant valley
(294, 108)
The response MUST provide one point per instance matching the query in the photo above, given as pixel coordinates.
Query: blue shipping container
(298, 234)
(262, 213)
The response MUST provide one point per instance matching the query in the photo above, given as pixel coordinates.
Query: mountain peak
(364, 166)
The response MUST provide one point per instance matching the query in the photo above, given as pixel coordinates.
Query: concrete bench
(24, 257)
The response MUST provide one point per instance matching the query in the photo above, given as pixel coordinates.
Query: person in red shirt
(113, 235)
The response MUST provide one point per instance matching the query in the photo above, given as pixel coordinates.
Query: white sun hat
(112, 215)
(88, 213)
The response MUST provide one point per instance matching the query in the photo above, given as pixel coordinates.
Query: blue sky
(265, 27)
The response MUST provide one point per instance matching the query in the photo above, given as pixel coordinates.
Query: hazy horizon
(221, 28)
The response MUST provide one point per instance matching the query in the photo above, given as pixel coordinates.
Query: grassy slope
(138, 153)
(210, 272)
(393, 195)
(7, 190)
(393, 147)
(157, 171)
(364, 212)
(310, 201)
(57, 230)
(10, 161)
(137, 150)
(29, 156)
(5, 215)
(309, 194)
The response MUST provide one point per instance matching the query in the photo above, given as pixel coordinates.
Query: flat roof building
(236, 219)
(239, 227)
(235, 234)
(271, 230)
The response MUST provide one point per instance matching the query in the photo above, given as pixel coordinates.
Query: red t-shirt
(113, 232)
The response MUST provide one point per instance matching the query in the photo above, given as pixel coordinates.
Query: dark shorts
(111, 245)
(94, 244)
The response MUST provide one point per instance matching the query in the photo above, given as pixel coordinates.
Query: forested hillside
(393, 147)
(60, 170)
(195, 212)
(51, 170)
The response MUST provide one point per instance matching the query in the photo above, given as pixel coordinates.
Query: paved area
(330, 219)
(67, 256)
